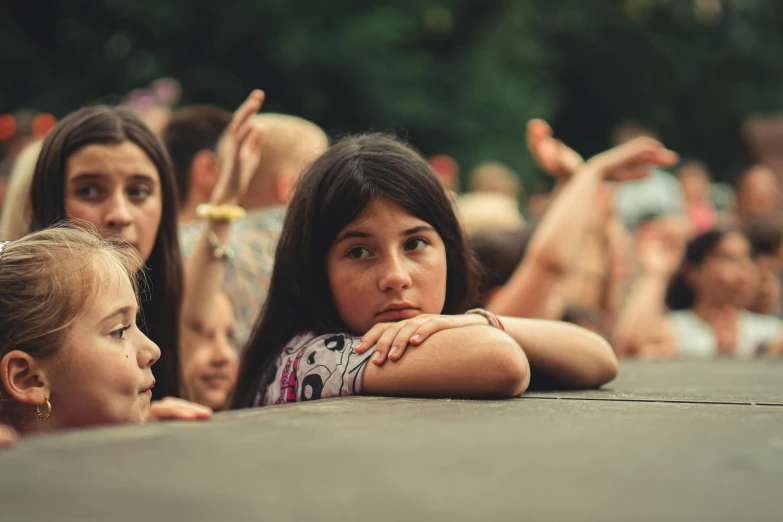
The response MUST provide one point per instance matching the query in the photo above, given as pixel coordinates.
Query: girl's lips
(398, 314)
(216, 381)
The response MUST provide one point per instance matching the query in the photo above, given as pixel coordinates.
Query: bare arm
(659, 259)
(567, 353)
(557, 240)
(203, 271)
(620, 246)
(643, 311)
(472, 362)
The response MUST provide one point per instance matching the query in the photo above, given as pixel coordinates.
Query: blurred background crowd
(685, 260)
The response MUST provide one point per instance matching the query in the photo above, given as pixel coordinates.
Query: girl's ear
(23, 378)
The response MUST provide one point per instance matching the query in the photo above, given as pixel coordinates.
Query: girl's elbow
(606, 366)
(513, 371)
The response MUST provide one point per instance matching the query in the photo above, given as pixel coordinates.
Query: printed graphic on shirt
(311, 368)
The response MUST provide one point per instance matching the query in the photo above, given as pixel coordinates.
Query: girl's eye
(358, 253)
(119, 333)
(140, 193)
(416, 244)
(88, 191)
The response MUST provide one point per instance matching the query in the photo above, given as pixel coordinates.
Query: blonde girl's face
(385, 266)
(103, 374)
(116, 188)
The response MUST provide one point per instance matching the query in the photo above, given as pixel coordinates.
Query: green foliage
(454, 76)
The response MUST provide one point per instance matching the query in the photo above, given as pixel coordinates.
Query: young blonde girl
(372, 262)
(71, 354)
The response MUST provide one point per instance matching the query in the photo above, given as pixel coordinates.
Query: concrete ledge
(368, 458)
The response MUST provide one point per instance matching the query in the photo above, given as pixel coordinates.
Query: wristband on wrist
(223, 252)
(220, 213)
(491, 318)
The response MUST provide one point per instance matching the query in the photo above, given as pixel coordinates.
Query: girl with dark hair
(708, 297)
(371, 260)
(103, 165)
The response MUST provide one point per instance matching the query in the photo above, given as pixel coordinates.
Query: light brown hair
(48, 279)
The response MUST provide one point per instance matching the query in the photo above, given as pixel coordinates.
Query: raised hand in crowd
(551, 154)
(640, 329)
(240, 154)
(559, 236)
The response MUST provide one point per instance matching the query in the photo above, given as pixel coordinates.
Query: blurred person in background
(240, 254)
(17, 213)
(447, 170)
(495, 177)
(766, 240)
(659, 193)
(16, 132)
(706, 297)
(191, 137)
(696, 183)
(758, 194)
(534, 288)
(479, 211)
(210, 369)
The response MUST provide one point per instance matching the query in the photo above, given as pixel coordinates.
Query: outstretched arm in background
(203, 271)
(557, 239)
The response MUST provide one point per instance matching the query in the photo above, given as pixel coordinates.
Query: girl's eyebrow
(352, 234)
(125, 310)
(95, 176)
(417, 230)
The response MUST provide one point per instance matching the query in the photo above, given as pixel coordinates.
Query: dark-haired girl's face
(727, 276)
(116, 188)
(385, 266)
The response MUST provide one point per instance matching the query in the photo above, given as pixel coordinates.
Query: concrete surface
(555, 456)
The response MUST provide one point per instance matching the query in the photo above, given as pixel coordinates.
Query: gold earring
(44, 416)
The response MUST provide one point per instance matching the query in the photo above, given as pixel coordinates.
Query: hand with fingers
(632, 160)
(240, 152)
(660, 256)
(551, 154)
(392, 339)
(170, 408)
(8, 436)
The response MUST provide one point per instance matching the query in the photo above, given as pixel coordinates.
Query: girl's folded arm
(569, 354)
(470, 362)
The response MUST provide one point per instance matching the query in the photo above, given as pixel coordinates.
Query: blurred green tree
(453, 76)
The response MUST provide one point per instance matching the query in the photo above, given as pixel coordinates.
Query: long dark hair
(680, 294)
(331, 194)
(114, 125)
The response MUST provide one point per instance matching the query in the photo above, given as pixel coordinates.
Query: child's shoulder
(334, 342)
(314, 366)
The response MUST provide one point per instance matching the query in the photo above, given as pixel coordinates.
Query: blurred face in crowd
(385, 266)
(769, 270)
(211, 370)
(117, 189)
(758, 194)
(727, 276)
(695, 184)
